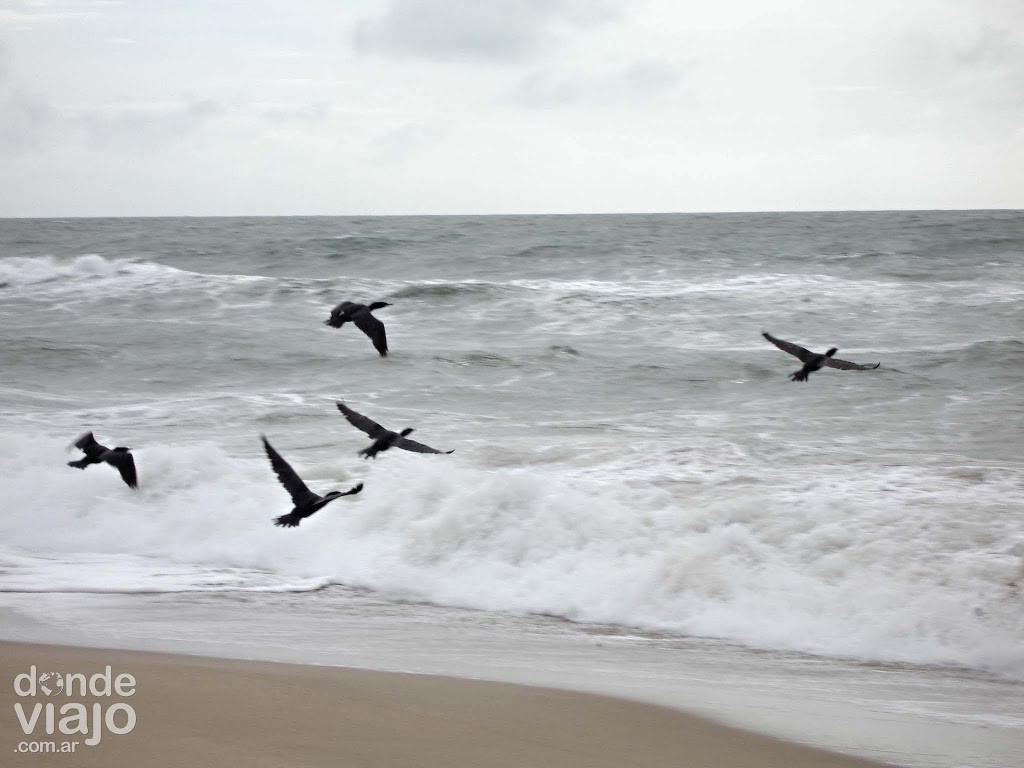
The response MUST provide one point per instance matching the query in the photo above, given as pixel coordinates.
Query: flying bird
(814, 361)
(118, 457)
(306, 502)
(360, 314)
(383, 438)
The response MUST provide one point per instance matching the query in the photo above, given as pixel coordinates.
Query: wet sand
(197, 711)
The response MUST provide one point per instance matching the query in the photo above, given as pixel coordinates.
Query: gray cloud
(138, 128)
(141, 128)
(640, 81)
(30, 121)
(26, 14)
(404, 142)
(993, 48)
(25, 117)
(26, 121)
(964, 75)
(651, 104)
(499, 30)
(313, 112)
(998, 58)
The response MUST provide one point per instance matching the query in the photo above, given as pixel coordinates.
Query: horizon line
(483, 215)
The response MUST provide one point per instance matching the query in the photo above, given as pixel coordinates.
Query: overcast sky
(222, 107)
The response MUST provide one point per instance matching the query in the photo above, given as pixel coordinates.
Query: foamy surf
(709, 554)
(127, 574)
(26, 271)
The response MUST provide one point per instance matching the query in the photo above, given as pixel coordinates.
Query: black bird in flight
(384, 438)
(814, 361)
(360, 314)
(306, 502)
(118, 457)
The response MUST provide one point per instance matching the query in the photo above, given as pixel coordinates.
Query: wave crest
(26, 270)
(656, 540)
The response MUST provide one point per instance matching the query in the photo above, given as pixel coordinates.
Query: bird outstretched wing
(360, 422)
(787, 346)
(803, 354)
(411, 445)
(291, 520)
(125, 465)
(289, 479)
(353, 490)
(373, 328)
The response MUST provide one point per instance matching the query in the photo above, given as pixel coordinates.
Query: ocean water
(629, 451)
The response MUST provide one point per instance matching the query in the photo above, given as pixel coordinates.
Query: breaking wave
(619, 540)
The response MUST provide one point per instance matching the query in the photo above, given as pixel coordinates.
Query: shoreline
(920, 718)
(214, 711)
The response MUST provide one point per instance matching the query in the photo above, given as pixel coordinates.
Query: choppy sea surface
(629, 451)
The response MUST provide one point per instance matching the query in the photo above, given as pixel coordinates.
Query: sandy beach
(200, 711)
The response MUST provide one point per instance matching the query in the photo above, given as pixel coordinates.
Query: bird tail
(800, 375)
(335, 321)
(80, 464)
(287, 521)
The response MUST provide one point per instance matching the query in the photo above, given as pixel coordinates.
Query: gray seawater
(629, 450)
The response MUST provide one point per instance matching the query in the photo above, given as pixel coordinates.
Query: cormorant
(306, 502)
(383, 438)
(365, 322)
(814, 361)
(97, 454)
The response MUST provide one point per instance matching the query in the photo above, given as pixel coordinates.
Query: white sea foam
(17, 270)
(90, 573)
(879, 567)
(567, 306)
(50, 275)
